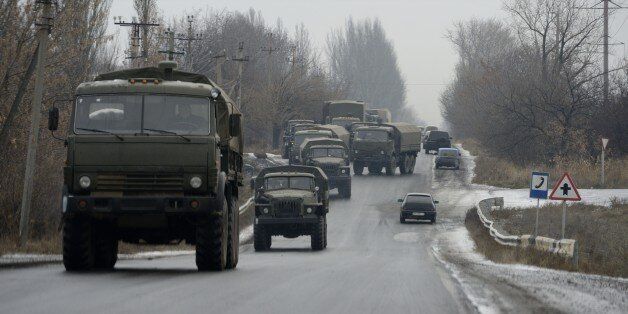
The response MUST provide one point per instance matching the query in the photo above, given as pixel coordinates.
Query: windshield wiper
(168, 132)
(102, 131)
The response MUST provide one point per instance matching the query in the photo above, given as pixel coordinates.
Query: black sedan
(417, 206)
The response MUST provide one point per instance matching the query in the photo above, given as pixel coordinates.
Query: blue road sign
(539, 185)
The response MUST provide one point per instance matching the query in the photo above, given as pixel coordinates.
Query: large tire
(317, 237)
(391, 167)
(212, 240)
(412, 164)
(233, 242)
(375, 169)
(401, 219)
(78, 250)
(325, 233)
(105, 246)
(358, 168)
(344, 189)
(262, 240)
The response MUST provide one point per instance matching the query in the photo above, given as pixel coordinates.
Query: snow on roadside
(482, 281)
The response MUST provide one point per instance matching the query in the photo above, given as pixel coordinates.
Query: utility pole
(269, 49)
(221, 58)
(170, 51)
(189, 39)
(45, 27)
(136, 38)
(240, 59)
(606, 35)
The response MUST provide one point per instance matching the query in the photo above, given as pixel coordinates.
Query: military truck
(289, 132)
(343, 109)
(388, 145)
(154, 155)
(300, 137)
(291, 201)
(344, 122)
(331, 155)
(337, 132)
(378, 115)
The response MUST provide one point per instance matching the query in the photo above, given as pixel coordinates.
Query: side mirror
(435, 202)
(235, 125)
(400, 200)
(53, 119)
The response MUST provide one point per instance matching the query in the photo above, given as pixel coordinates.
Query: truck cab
(332, 156)
(154, 156)
(291, 201)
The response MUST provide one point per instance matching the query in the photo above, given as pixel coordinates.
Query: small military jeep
(291, 201)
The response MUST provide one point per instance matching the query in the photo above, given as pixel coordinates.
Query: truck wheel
(211, 240)
(391, 167)
(325, 234)
(105, 247)
(233, 243)
(403, 163)
(401, 219)
(345, 190)
(317, 236)
(78, 253)
(412, 164)
(358, 168)
(261, 238)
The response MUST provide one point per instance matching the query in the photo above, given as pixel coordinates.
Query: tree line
(286, 77)
(531, 90)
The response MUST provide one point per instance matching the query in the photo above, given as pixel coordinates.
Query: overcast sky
(416, 27)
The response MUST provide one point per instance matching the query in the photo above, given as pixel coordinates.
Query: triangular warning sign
(565, 190)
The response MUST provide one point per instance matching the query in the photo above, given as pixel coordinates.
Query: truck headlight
(196, 182)
(85, 182)
(355, 151)
(309, 210)
(265, 210)
(382, 152)
(343, 171)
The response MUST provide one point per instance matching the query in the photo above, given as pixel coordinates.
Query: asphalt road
(373, 264)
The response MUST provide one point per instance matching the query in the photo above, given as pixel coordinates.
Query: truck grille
(287, 207)
(145, 182)
(330, 169)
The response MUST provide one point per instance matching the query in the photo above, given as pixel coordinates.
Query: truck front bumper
(75, 204)
(334, 182)
(269, 220)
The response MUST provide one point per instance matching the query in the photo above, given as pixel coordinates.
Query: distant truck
(389, 146)
(331, 155)
(288, 133)
(291, 201)
(343, 109)
(426, 130)
(378, 115)
(435, 140)
(338, 132)
(300, 137)
(154, 155)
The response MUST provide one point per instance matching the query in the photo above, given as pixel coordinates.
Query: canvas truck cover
(407, 136)
(344, 108)
(176, 82)
(319, 175)
(338, 131)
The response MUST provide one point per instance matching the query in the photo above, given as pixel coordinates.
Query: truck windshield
(299, 183)
(327, 152)
(130, 114)
(371, 135)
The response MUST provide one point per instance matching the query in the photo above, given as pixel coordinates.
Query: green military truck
(291, 201)
(378, 115)
(289, 131)
(344, 111)
(154, 156)
(331, 155)
(301, 136)
(388, 145)
(338, 132)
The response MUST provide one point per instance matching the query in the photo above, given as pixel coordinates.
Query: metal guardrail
(564, 247)
(246, 206)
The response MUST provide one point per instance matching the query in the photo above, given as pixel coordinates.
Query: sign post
(565, 190)
(538, 189)
(604, 143)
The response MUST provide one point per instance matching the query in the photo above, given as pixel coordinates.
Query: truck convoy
(154, 155)
(332, 156)
(291, 201)
(388, 145)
